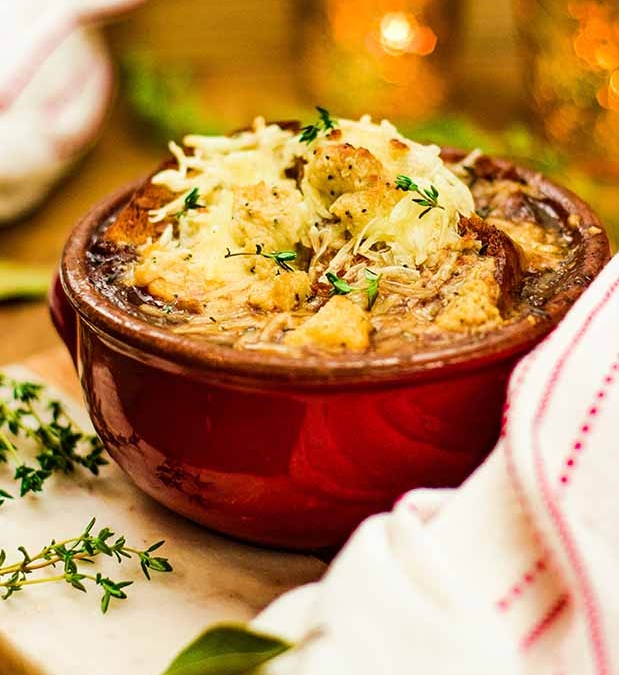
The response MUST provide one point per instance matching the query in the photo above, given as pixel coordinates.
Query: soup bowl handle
(63, 316)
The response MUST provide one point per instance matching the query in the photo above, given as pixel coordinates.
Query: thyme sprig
(325, 123)
(280, 258)
(61, 446)
(373, 280)
(342, 287)
(190, 201)
(428, 197)
(73, 553)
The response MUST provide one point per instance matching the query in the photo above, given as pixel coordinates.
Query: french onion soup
(339, 237)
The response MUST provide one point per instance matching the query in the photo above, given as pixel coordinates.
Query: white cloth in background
(517, 571)
(56, 81)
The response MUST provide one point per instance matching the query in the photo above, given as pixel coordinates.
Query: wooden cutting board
(51, 629)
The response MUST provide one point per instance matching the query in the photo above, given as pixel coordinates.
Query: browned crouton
(266, 215)
(132, 225)
(340, 323)
(337, 169)
(475, 305)
(283, 292)
(507, 254)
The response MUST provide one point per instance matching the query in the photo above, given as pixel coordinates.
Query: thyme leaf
(70, 554)
(342, 287)
(190, 201)
(428, 197)
(325, 123)
(25, 412)
(373, 280)
(280, 258)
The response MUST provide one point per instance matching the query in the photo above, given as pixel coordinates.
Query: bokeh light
(384, 50)
(575, 77)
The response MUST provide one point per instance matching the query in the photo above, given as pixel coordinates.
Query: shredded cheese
(221, 165)
(335, 202)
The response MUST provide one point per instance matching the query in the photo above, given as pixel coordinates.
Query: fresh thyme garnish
(70, 553)
(325, 123)
(428, 196)
(281, 258)
(342, 287)
(60, 444)
(372, 289)
(191, 201)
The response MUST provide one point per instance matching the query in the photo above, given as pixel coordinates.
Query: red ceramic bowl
(285, 452)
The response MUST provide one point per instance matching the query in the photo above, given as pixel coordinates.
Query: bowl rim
(268, 370)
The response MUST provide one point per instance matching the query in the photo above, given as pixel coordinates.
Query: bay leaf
(227, 649)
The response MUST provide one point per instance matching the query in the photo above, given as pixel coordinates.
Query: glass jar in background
(572, 56)
(389, 58)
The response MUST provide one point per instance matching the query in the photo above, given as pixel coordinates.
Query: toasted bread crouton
(508, 257)
(267, 215)
(474, 304)
(338, 169)
(282, 292)
(338, 324)
(132, 225)
(356, 209)
(170, 282)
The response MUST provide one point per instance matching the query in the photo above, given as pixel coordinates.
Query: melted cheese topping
(334, 204)
(244, 177)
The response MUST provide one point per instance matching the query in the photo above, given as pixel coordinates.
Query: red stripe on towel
(527, 579)
(546, 622)
(581, 573)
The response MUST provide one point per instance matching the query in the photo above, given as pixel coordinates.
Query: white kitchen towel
(517, 571)
(56, 82)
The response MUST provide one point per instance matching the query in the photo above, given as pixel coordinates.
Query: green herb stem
(428, 197)
(60, 445)
(280, 258)
(190, 201)
(70, 553)
(325, 123)
(19, 281)
(6, 444)
(342, 287)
